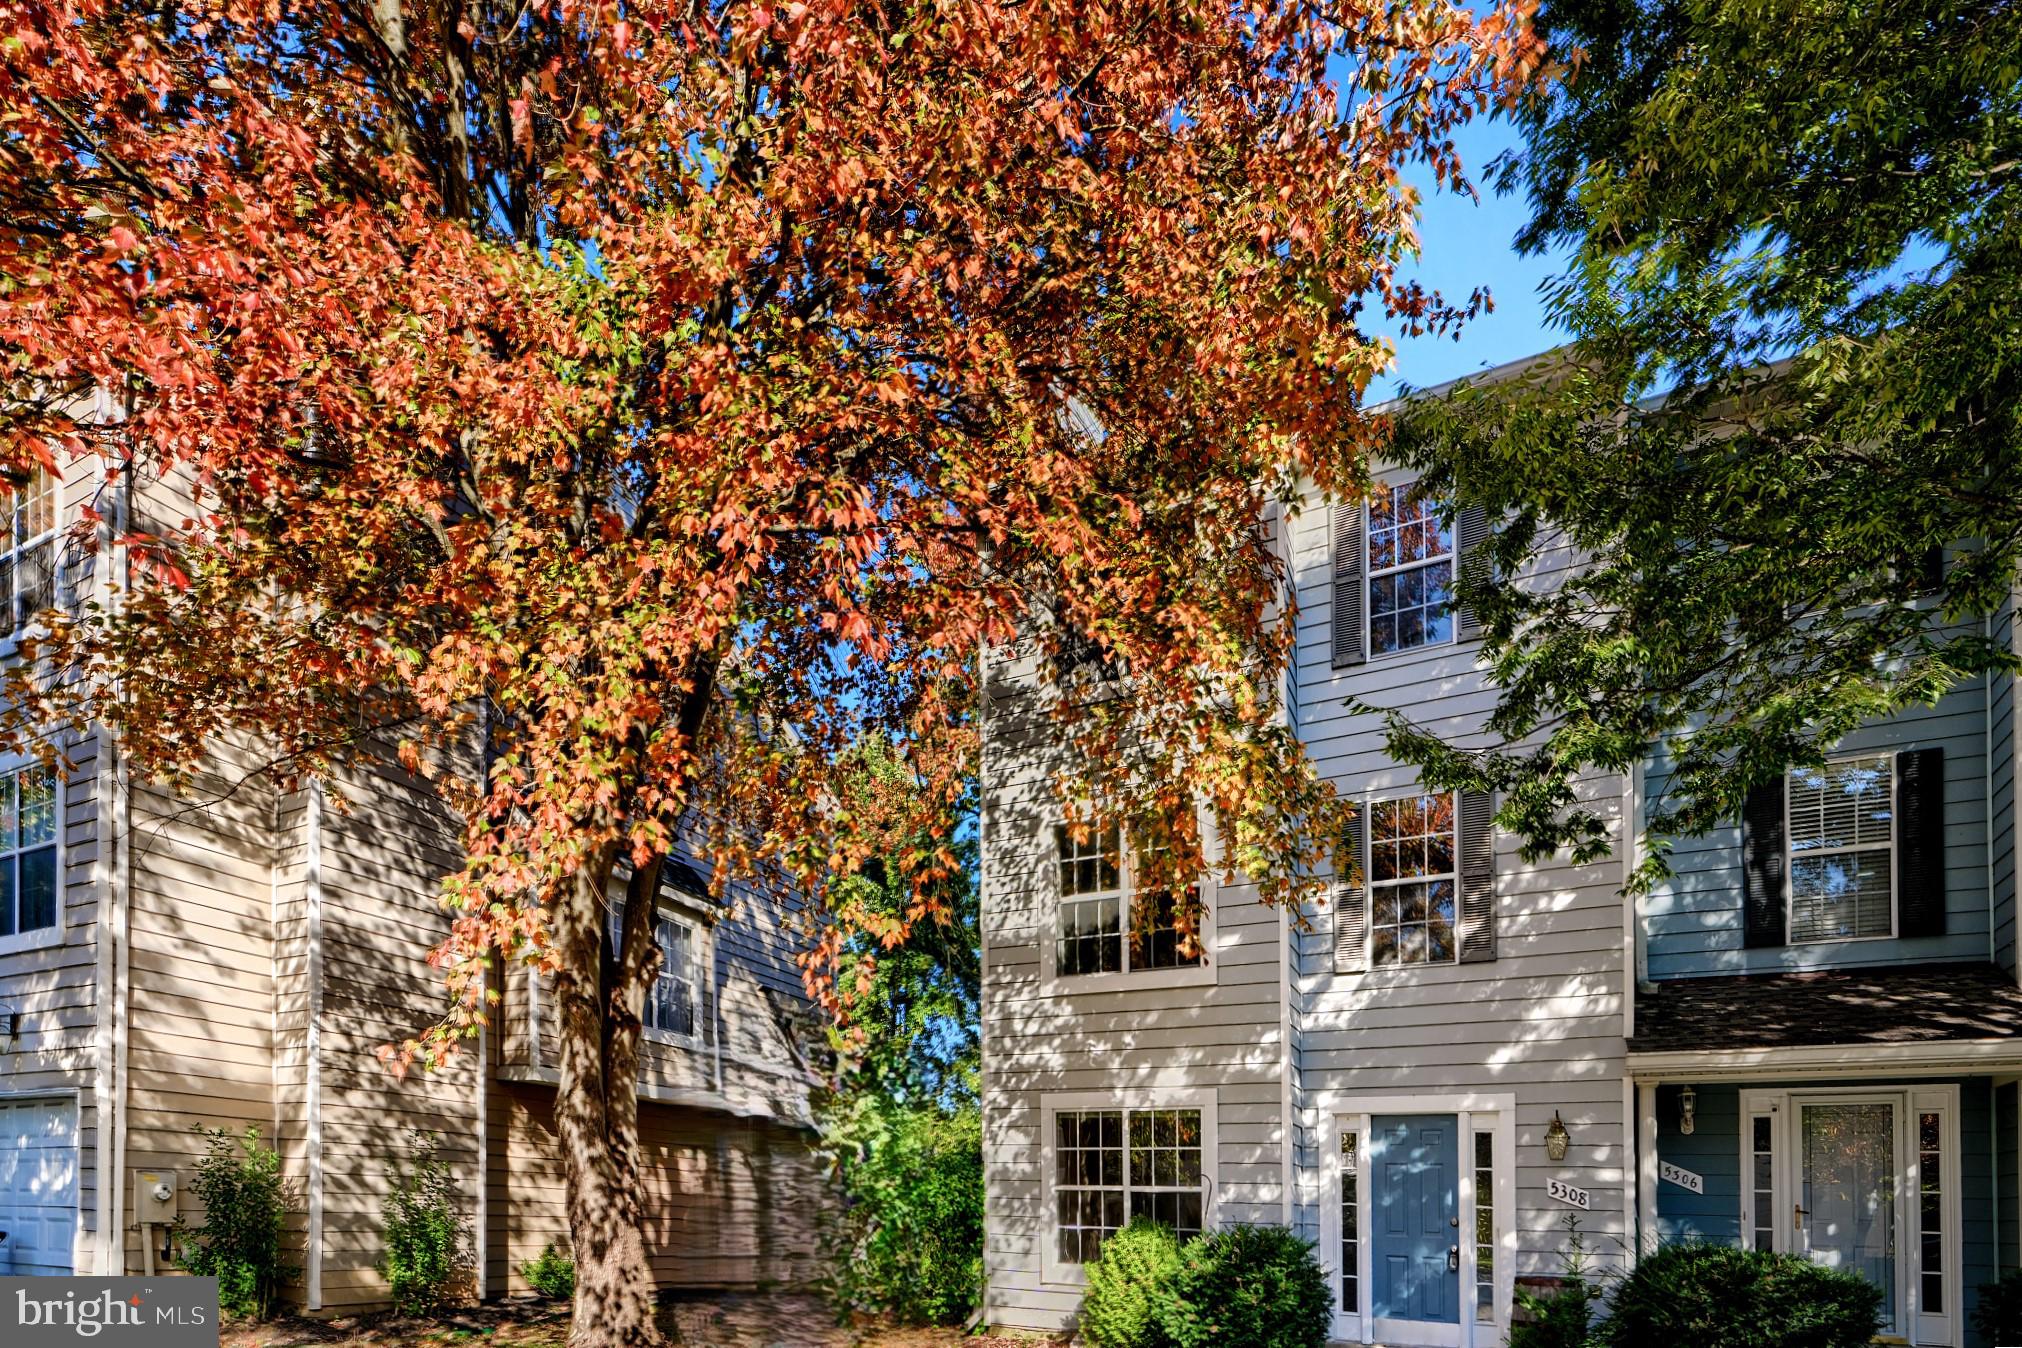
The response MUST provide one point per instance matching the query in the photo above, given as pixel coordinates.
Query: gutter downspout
(982, 1315)
(312, 902)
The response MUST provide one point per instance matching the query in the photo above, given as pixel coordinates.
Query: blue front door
(1415, 1163)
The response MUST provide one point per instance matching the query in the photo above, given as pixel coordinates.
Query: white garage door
(38, 1183)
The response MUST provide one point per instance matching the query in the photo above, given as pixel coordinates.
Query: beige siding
(200, 1040)
(729, 1204)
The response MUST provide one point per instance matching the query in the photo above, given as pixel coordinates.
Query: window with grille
(29, 558)
(1762, 1182)
(1931, 1210)
(28, 895)
(1111, 1165)
(1841, 822)
(670, 1002)
(1412, 880)
(1410, 572)
(1484, 1227)
(1351, 1232)
(670, 1008)
(1096, 890)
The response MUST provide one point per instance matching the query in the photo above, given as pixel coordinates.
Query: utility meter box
(154, 1197)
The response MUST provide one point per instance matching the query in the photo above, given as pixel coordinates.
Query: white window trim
(1790, 855)
(702, 951)
(1948, 1327)
(1473, 1113)
(1370, 573)
(1205, 973)
(1369, 882)
(15, 626)
(49, 937)
(1059, 1274)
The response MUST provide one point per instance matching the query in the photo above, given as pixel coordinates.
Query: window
(29, 558)
(1762, 1182)
(1111, 1165)
(1411, 880)
(1842, 834)
(28, 842)
(1931, 1211)
(1410, 572)
(1094, 889)
(1351, 1240)
(670, 1002)
(1484, 1227)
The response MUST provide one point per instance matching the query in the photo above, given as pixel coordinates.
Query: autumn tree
(1787, 432)
(672, 397)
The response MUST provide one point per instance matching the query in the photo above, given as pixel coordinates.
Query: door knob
(1798, 1213)
(1453, 1259)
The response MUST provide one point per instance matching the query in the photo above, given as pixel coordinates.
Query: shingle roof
(1933, 1003)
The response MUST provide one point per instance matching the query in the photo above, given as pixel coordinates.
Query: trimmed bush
(553, 1275)
(1255, 1285)
(428, 1245)
(1998, 1316)
(908, 1240)
(1715, 1296)
(1131, 1289)
(238, 1185)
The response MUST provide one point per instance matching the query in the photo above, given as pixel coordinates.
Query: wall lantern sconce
(1557, 1139)
(1688, 1103)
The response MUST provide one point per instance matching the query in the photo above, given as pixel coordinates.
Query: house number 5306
(1561, 1192)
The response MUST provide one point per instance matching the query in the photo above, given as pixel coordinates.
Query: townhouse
(1808, 1040)
(234, 956)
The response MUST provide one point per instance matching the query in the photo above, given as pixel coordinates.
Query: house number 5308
(1561, 1192)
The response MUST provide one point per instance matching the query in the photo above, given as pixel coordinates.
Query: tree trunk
(599, 998)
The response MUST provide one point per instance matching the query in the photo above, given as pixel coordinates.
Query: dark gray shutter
(1477, 877)
(1351, 904)
(1762, 889)
(1348, 557)
(1931, 570)
(1920, 842)
(1470, 536)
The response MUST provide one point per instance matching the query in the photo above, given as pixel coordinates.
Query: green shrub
(1254, 1285)
(1998, 1316)
(1564, 1316)
(428, 1244)
(907, 1240)
(1715, 1296)
(1131, 1289)
(553, 1275)
(245, 1212)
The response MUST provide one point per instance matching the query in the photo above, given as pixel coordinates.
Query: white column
(1646, 1166)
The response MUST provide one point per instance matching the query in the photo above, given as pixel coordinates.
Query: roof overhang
(1931, 1058)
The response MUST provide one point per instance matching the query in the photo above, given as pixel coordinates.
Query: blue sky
(1467, 244)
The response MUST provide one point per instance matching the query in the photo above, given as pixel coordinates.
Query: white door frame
(1343, 1112)
(1785, 1109)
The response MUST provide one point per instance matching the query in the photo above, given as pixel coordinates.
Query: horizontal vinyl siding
(728, 1203)
(2002, 772)
(1694, 919)
(201, 1039)
(1542, 1022)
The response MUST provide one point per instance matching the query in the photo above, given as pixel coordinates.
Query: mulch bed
(693, 1319)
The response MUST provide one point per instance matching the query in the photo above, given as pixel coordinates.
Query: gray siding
(1694, 920)
(1541, 1023)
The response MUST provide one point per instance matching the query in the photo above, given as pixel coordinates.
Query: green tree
(1795, 246)
(901, 1123)
(910, 970)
